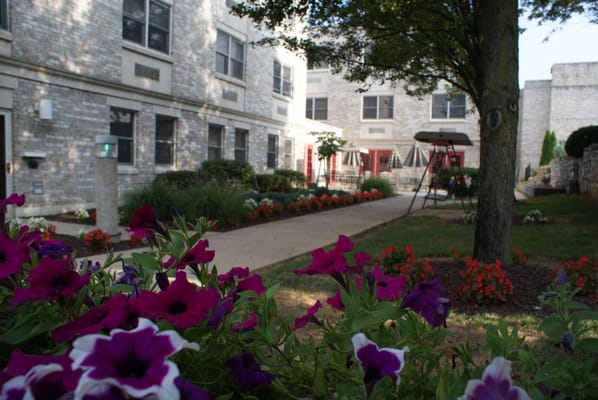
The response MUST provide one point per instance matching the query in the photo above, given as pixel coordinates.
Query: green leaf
(146, 260)
(587, 345)
(554, 327)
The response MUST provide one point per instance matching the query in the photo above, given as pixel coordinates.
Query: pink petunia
(324, 262)
(181, 303)
(198, 254)
(387, 287)
(52, 279)
(13, 255)
(308, 317)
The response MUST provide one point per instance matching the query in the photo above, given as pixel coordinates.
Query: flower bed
(169, 326)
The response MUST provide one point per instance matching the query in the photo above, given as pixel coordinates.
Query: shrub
(160, 194)
(97, 239)
(378, 183)
(231, 171)
(179, 179)
(213, 201)
(583, 274)
(297, 178)
(485, 284)
(548, 148)
(403, 262)
(273, 183)
(580, 139)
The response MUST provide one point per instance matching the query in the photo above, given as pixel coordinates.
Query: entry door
(3, 163)
(309, 165)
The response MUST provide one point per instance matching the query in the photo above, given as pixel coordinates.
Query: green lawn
(571, 232)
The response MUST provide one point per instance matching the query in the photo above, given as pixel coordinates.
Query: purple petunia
(247, 371)
(13, 255)
(334, 261)
(181, 303)
(387, 287)
(378, 362)
(52, 279)
(495, 384)
(198, 254)
(54, 248)
(426, 299)
(308, 317)
(336, 301)
(133, 361)
(114, 312)
(144, 224)
(13, 200)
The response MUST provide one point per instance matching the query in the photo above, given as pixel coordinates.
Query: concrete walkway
(266, 244)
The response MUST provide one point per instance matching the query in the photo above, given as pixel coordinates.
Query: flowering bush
(518, 257)
(39, 224)
(97, 239)
(535, 216)
(583, 273)
(485, 284)
(81, 215)
(170, 326)
(394, 261)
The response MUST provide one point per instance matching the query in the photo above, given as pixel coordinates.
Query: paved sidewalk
(266, 244)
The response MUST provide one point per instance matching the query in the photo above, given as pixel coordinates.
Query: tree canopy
(472, 45)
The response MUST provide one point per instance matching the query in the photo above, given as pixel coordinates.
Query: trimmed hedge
(580, 139)
(230, 171)
(381, 184)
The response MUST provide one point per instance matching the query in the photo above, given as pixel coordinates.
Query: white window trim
(282, 81)
(130, 168)
(145, 45)
(448, 118)
(312, 100)
(377, 96)
(228, 76)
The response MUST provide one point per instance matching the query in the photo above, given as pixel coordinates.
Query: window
(443, 108)
(215, 135)
(317, 64)
(288, 154)
(4, 14)
(378, 107)
(241, 136)
(282, 79)
(230, 55)
(165, 128)
(272, 151)
(316, 108)
(147, 22)
(122, 125)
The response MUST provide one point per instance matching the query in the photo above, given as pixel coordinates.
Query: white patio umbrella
(416, 157)
(394, 162)
(352, 157)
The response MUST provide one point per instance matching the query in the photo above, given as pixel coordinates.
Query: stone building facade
(562, 104)
(176, 82)
(384, 119)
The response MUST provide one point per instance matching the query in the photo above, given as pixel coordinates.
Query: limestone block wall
(584, 171)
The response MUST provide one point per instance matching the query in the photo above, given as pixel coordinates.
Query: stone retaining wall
(576, 174)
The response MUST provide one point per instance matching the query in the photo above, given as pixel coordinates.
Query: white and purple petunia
(134, 362)
(495, 384)
(378, 362)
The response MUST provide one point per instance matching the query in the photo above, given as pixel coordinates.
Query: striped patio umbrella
(352, 157)
(394, 162)
(416, 157)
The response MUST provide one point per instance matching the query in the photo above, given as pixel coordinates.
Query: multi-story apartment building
(563, 104)
(384, 119)
(177, 82)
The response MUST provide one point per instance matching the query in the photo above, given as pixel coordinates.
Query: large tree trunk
(498, 98)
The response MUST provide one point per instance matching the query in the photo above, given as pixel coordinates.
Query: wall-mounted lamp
(44, 109)
(34, 157)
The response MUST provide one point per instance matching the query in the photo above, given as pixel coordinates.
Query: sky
(574, 41)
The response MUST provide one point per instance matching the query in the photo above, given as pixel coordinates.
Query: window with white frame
(316, 108)
(241, 137)
(215, 139)
(4, 14)
(288, 154)
(165, 129)
(282, 79)
(448, 107)
(272, 151)
(122, 125)
(378, 107)
(230, 55)
(147, 22)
